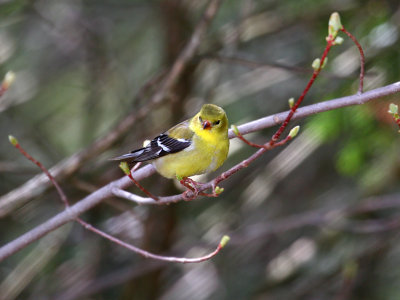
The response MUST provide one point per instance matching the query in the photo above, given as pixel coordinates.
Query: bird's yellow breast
(206, 154)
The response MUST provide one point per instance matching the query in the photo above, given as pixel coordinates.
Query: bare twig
(147, 254)
(362, 59)
(60, 192)
(125, 168)
(254, 64)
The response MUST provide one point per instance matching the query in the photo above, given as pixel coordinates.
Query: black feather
(158, 147)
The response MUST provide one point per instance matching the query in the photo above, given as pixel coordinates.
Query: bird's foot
(194, 187)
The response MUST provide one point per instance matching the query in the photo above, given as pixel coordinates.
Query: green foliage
(350, 159)
(357, 134)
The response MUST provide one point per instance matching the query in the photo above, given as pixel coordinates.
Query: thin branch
(155, 198)
(151, 255)
(142, 200)
(60, 192)
(254, 64)
(362, 59)
(107, 191)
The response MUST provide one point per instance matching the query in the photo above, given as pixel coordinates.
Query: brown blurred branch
(109, 280)
(337, 219)
(108, 190)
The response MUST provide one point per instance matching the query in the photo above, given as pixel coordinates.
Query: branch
(362, 59)
(108, 190)
(147, 254)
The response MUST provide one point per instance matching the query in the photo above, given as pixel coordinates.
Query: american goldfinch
(196, 146)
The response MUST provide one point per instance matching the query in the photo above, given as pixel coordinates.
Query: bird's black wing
(158, 147)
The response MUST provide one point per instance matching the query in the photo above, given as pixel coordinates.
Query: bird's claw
(193, 188)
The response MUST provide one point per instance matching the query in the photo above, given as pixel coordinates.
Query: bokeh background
(300, 218)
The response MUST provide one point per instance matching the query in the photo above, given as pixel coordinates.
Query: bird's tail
(130, 157)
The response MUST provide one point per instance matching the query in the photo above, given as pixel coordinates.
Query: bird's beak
(206, 124)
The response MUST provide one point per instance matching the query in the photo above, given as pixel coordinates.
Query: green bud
(13, 140)
(124, 167)
(393, 109)
(325, 62)
(179, 177)
(338, 41)
(218, 190)
(294, 131)
(225, 239)
(334, 25)
(291, 102)
(8, 79)
(235, 129)
(316, 64)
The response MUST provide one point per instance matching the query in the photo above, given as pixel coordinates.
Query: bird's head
(212, 117)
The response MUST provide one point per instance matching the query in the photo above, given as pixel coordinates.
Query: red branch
(148, 254)
(396, 120)
(63, 197)
(362, 59)
(142, 188)
(305, 91)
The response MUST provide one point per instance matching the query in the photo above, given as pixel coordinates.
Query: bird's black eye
(217, 122)
(200, 119)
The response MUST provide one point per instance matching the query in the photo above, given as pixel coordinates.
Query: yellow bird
(196, 146)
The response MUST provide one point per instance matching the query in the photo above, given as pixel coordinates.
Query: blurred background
(316, 219)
